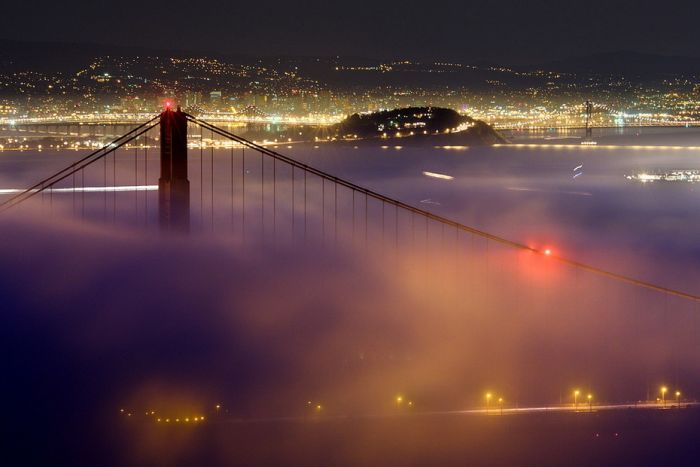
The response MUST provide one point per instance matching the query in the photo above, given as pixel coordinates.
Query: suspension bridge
(252, 191)
(178, 176)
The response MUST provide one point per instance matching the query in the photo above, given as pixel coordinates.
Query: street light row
(664, 390)
(589, 398)
(401, 401)
(489, 396)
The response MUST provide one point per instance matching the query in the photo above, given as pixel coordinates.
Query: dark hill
(417, 122)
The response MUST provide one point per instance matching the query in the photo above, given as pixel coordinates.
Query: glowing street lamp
(399, 401)
(678, 399)
(500, 404)
(576, 394)
(590, 402)
(664, 390)
(488, 400)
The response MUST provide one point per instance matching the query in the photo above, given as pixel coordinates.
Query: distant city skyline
(506, 31)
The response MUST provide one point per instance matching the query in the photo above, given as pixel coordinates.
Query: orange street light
(664, 390)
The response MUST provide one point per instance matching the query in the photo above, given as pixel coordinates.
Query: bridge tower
(173, 185)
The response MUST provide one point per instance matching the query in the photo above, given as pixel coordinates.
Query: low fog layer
(98, 319)
(102, 319)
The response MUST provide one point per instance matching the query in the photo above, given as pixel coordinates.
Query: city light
(664, 390)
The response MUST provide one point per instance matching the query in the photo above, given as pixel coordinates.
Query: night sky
(511, 31)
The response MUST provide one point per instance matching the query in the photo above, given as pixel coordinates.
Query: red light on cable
(548, 252)
(168, 105)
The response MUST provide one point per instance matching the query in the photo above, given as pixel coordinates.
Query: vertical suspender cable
(114, 186)
(262, 194)
(396, 231)
(145, 177)
(274, 200)
(243, 193)
(335, 214)
(82, 193)
(104, 197)
(136, 179)
(232, 186)
(201, 175)
(353, 217)
(383, 224)
(323, 211)
(212, 181)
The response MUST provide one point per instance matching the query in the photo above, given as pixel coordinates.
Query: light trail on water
(87, 189)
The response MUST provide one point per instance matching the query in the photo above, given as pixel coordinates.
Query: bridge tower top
(173, 185)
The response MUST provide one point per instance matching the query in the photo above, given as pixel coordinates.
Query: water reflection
(687, 176)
